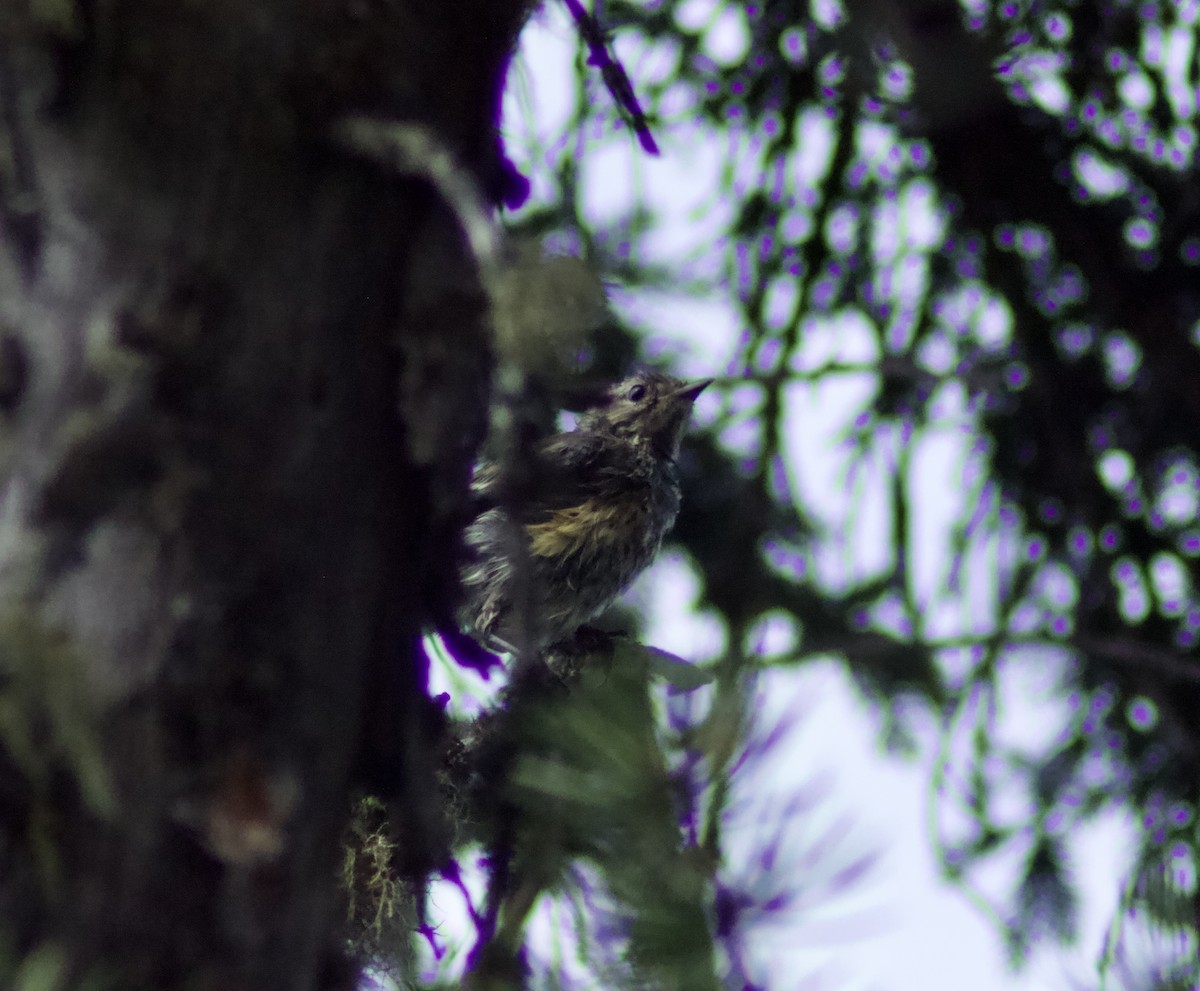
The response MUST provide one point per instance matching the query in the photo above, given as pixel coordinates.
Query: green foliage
(1046, 904)
(591, 785)
(675, 671)
(981, 224)
(1151, 942)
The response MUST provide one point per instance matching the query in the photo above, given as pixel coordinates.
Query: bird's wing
(561, 471)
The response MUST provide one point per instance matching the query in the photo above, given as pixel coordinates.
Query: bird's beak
(691, 390)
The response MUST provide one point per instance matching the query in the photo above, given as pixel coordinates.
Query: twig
(614, 75)
(1137, 653)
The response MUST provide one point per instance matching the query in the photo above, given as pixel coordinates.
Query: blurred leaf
(1046, 903)
(675, 671)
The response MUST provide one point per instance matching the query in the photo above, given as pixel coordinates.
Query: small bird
(597, 503)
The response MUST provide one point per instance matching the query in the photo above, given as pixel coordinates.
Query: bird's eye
(637, 393)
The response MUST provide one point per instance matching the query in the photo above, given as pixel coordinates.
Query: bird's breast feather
(594, 521)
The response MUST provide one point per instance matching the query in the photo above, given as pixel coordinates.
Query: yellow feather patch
(570, 529)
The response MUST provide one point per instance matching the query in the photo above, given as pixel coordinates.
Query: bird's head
(647, 406)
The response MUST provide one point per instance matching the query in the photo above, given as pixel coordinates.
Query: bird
(546, 556)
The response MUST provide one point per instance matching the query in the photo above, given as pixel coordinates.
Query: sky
(902, 928)
(907, 930)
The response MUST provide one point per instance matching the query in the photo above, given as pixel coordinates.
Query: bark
(242, 376)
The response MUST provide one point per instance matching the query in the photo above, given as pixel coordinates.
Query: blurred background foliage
(949, 275)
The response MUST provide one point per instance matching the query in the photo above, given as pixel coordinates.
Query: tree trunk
(242, 376)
